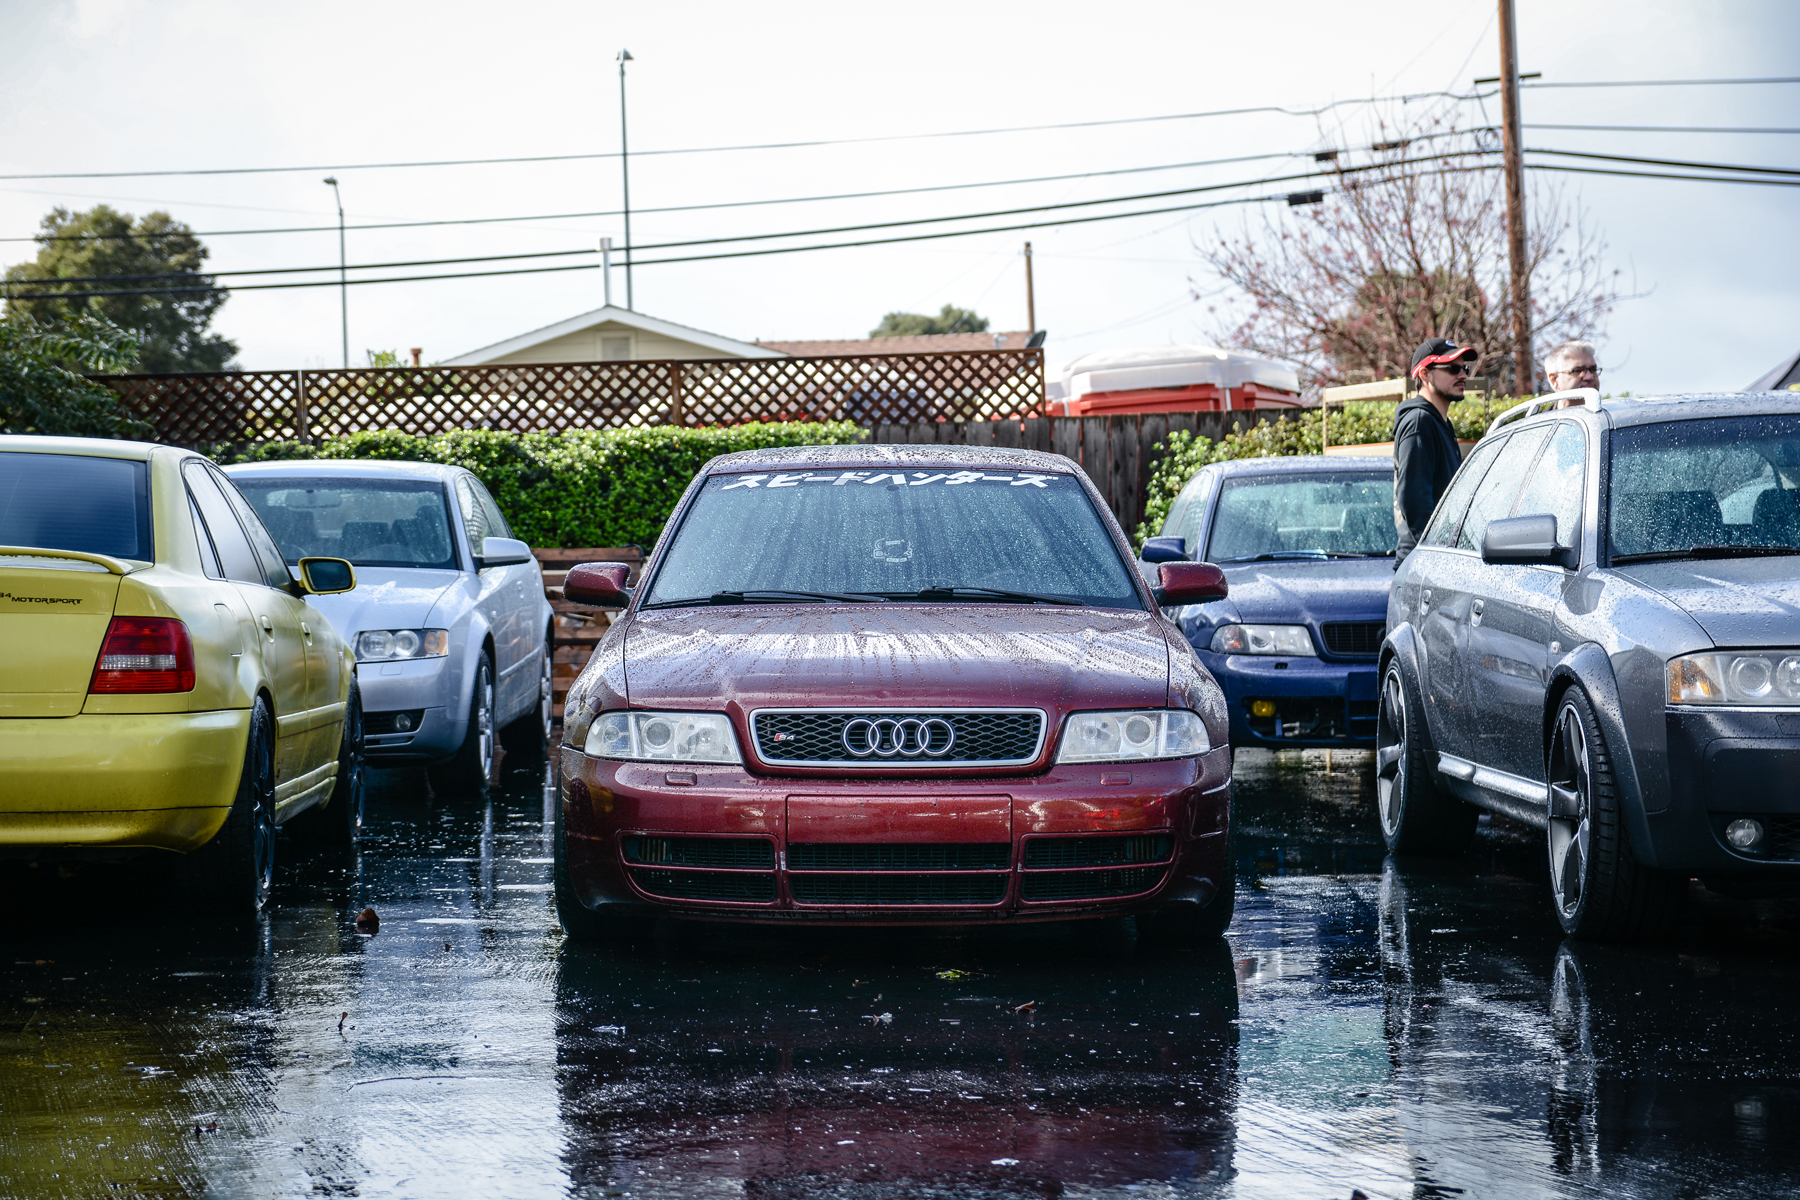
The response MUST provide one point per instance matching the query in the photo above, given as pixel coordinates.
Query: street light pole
(343, 284)
(1524, 378)
(625, 169)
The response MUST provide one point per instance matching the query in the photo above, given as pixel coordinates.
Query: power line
(1664, 175)
(1670, 162)
(945, 187)
(896, 137)
(1655, 129)
(1594, 83)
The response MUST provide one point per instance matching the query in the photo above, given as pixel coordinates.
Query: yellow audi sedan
(164, 686)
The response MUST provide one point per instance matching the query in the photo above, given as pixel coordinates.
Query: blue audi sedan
(1307, 546)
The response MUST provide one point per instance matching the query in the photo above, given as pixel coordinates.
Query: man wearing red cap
(1425, 451)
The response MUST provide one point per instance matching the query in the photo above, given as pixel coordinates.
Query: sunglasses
(1453, 368)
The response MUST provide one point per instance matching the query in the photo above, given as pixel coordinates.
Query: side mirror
(1189, 583)
(1164, 549)
(326, 576)
(502, 552)
(1523, 540)
(597, 585)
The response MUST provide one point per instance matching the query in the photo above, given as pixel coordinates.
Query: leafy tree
(39, 394)
(106, 249)
(1409, 245)
(951, 320)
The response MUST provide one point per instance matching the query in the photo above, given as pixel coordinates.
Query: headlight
(1148, 733)
(1755, 677)
(1291, 640)
(663, 737)
(391, 645)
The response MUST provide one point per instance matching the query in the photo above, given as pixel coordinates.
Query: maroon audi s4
(915, 685)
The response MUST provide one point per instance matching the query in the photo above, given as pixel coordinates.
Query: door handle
(1424, 599)
(1475, 612)
(268, 625)
(306, 631)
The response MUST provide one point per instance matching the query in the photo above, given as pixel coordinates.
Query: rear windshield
(74, 502)
(1338, 515)
(1717, 488)
(371, 522)
(894, 534)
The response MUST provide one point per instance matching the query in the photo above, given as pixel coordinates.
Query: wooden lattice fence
(245, 407)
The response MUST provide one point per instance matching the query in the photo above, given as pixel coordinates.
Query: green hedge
(611, 487)
(1371, 421)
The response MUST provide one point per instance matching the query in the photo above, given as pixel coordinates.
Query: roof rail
(1590, 397)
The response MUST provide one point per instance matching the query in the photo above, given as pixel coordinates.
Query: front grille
(1353, 639)
(898, 889)
(706, 885)
(376, 724)
(975, 736)
(1090, 885)
(1096, 851)
(751, 854)
(822, 856)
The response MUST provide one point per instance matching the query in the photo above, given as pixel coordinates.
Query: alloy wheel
(1390, 749)
(484, 720)
(546, 697)
(1571, 811)
(262, 824)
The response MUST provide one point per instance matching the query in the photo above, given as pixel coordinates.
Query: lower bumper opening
(1280, 718)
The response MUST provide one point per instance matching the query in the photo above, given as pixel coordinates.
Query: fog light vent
(1262, 708)
(1744, 834)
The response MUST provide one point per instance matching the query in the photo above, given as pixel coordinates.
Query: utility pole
(606, 269)
(625, 169)
(1030, 295)
(343, 284)
(1524, 377)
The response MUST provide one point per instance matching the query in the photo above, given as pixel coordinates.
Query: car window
(1340, 513)
(275, 572)
(1555, 486)
(1447, 518)
(76, 502)
(371, 522)
(1715, 484)
(228, 537)
(497, 526)
(1180, 509)
(209, 555)
(475, 518)
(1494, 496)
(895, 533)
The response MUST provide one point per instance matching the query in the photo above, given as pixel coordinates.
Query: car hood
(385, 598)
(1310, 591)
(1737, 601)
(901, 655)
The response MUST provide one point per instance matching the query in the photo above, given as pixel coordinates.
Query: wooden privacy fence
(245, 407)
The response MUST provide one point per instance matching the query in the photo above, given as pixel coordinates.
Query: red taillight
(145, 654)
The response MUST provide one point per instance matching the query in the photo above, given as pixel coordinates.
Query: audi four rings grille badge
(908, 737)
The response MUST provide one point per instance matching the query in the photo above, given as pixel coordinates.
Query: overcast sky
(131, 85)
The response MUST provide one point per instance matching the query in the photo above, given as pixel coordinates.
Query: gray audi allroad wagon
(1599, 635)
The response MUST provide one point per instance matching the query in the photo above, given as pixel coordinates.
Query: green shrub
(1361, 422)
(605, 487)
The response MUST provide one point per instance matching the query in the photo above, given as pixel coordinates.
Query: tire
(337, 823)
(530, 733)
(1194, 925)
(1599, 890)
(233, 874)
(580, 922)
(1417, 817)
(475, 766)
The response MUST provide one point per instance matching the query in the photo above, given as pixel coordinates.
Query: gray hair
(1559, 358)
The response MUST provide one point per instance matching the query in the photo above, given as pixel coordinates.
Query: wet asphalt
(1406, 1030)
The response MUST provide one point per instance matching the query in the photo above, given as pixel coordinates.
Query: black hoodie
(1425, 457)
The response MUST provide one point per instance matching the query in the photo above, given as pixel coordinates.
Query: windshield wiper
(978, 593)
(1276, 556)
(1706, 552)
(770, 596)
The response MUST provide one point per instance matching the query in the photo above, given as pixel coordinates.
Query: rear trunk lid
(53, 617)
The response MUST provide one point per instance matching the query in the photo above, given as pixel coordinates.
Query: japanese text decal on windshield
(892, 478)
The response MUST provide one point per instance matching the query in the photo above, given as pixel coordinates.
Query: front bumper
(720, 843)
(1318, 701)
(1727, 764)
(164, 780)
(421, 687)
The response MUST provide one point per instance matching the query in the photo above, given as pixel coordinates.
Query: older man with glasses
(1572, 365)
(1426, 453)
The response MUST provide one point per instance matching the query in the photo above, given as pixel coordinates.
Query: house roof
(918, 344)
(621, 316)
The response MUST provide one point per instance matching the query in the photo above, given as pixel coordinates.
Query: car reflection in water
(793, 1062)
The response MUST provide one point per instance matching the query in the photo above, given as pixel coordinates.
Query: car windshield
(1335, 515)
(74, 502)
(1719, 488)
(371, 522)
(991, 535)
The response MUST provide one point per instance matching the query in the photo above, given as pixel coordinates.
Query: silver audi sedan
(449, 622)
